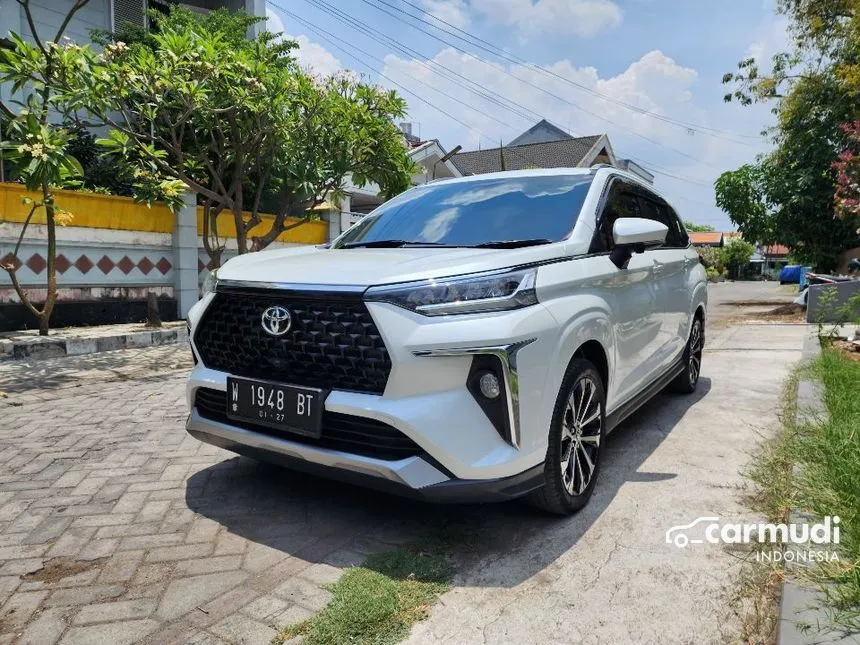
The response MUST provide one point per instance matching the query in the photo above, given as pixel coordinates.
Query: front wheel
(575, 441)
(686, 381)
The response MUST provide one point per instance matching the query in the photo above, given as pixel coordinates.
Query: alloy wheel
(695, 357)
(581, 431)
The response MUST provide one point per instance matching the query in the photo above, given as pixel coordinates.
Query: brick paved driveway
(117, 527)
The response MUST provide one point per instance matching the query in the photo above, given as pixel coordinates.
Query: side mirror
(635, 235)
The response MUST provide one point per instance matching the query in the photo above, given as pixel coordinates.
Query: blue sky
(665, 57)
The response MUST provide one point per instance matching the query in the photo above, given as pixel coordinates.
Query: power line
(331, 40)
(325, 6)
(477, 41)
(446, 73)
(517, 108)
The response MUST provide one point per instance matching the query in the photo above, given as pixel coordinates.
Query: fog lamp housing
(486, 384)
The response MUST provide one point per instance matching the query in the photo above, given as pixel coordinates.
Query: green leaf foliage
(787, 196)
(697, 228)
(237, 121)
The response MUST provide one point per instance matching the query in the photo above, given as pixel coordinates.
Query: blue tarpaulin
(791, 273)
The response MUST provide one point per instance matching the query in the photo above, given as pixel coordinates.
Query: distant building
(541, 146)
(541, 132)
(707, 238)
(774, 257)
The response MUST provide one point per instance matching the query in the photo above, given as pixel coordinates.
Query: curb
(800, 605)
(39, 348)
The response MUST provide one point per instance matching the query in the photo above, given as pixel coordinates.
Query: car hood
(366, 267)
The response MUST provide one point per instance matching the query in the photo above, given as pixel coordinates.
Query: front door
(671, 267)
(635, 297)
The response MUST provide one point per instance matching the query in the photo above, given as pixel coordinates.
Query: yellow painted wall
(308, 233)
(91, 210)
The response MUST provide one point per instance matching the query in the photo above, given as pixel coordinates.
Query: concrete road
(729, 301)
(115, 527)
(607, 574)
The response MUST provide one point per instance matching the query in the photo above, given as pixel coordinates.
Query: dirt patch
(56, 569)
(791, 310)
(849, 350)
(783, 314)
(754, 303)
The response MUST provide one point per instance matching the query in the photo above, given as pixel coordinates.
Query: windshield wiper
(512, 244)
(390, 244)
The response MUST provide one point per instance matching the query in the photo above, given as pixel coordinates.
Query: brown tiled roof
(775, 250)
(706, 239)
(567, 153)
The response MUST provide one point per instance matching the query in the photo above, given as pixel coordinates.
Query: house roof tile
(567, 153)
(709, 238)
(775, 250)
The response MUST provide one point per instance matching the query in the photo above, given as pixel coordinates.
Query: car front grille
(332, 342)
(344, 432)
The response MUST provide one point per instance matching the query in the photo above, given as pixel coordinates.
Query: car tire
(686, 381)
(577, 433)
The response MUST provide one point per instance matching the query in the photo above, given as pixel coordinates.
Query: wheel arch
(594, 352)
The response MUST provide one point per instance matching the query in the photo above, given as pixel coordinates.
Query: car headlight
(209, 283)
(476, 293)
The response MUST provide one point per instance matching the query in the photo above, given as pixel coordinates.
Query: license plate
(284, 407)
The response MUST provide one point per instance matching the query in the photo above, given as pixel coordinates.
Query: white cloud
(773, 38)
(655, 83)
(310, 55)
(454, 12)
(274, 23)
(315, 57)
(552, 17)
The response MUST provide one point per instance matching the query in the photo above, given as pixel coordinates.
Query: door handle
(658, 269)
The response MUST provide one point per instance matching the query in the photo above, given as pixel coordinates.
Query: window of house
(128, 11)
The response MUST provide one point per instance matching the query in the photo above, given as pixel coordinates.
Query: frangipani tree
(35, 73)
(237, 122)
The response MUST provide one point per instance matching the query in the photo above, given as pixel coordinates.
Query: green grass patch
(827, 481)
(754, 599)
(378, 602)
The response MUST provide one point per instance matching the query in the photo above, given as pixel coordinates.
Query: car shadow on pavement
(290, 511)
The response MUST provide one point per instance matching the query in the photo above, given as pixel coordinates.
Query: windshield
(539, 209)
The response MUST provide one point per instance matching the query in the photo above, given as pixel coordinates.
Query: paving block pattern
(117, 527)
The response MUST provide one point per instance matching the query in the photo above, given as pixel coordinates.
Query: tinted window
(621, 202)
(683, 238)
(477, 212)
(675, 237)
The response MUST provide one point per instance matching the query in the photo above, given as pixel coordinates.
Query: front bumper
(460, 453)
(413, 477)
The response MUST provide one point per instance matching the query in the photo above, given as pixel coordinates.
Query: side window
(661, 213)
(684, 239)
(621, 202)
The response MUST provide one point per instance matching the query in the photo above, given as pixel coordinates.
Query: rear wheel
(686, 381)
(575, 441)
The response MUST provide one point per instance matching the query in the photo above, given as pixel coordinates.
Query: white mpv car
(470, 339)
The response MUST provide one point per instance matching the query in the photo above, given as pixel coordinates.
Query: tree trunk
(241, 235)
(51, 296)
(153, 318)
(215, 257)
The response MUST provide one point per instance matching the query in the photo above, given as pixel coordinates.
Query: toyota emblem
(277, 320)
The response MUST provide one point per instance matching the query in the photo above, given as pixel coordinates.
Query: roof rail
(598, 166)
